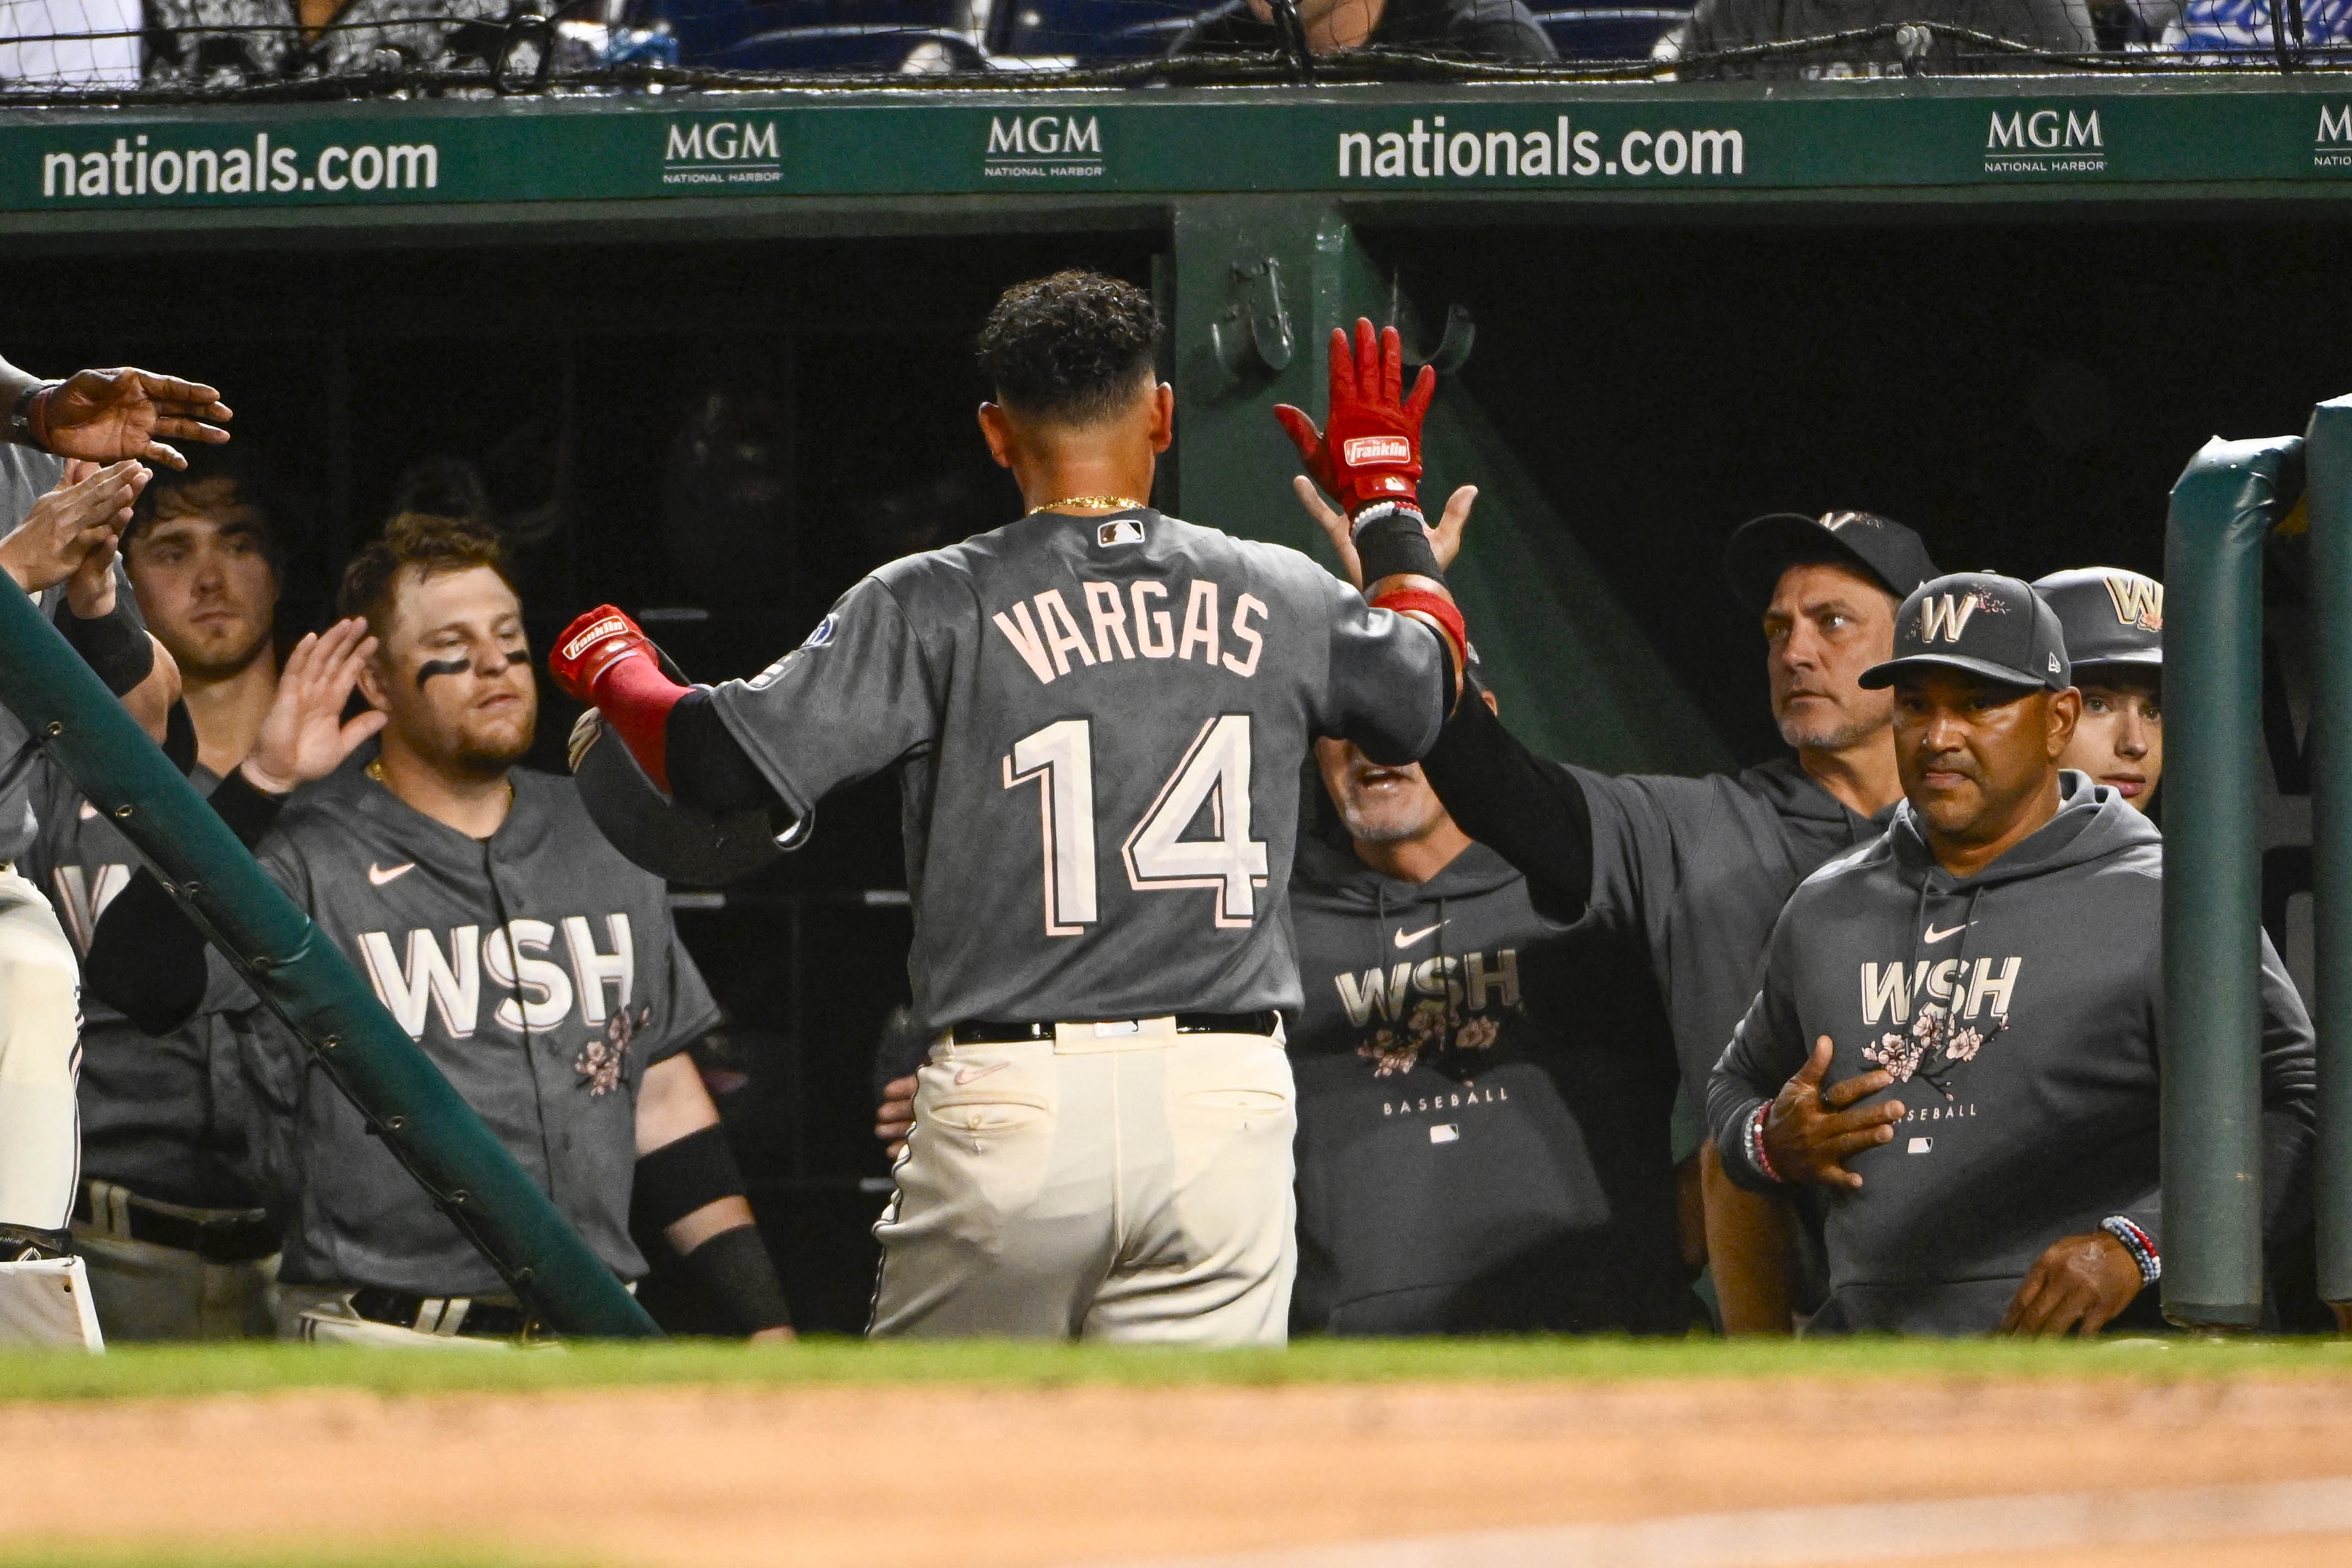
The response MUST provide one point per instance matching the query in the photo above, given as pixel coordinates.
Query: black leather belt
(981, 1031)
(242, 1236)
(432, 1314)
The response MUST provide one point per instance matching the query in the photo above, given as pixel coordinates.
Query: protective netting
(82, 50)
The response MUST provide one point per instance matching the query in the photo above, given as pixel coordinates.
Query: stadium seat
(808, 35)
(1609, 33)
(881, 50)
(1089, 30)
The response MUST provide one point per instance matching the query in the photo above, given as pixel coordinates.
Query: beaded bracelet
(1756, 1154)
(2141, 1247)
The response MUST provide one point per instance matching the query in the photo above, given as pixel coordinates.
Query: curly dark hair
(429, 544)
(1069, 348)
(216, 481)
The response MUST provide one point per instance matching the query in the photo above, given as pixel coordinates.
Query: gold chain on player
(1105, 503)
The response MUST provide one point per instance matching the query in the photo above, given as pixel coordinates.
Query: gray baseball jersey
(160, 1114)
(541, 974)
(1098, 723)
(25, 476)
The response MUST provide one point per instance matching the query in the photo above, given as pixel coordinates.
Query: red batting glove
(1371, 450)
(605, 660)
(591, 647)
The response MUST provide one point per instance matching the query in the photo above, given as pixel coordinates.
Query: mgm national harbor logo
(2045, 142)
(1043, 147)
(2331, 145)
(721, 153)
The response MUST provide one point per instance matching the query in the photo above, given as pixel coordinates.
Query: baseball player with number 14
(1099, 715)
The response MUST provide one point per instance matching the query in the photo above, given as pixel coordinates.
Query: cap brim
(1763, 548)
(2138, 659)
(1881, 675)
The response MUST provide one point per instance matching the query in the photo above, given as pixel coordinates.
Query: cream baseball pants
(1120, 1182)
(40, 1058)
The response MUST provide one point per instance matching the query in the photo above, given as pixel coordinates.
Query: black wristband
(248, 812)
(1391, 540)
(734, 1270)
(682, 1176)
(115, 645)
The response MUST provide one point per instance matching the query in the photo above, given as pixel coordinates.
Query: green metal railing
(2327, 449)
(2224, 508)
(294, 968)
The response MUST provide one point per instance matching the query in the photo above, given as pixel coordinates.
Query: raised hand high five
(1370, 447)
(303, 736)
(107, 415)
(88, 508)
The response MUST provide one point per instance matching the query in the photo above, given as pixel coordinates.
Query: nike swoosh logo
(378, 877)
(1407, 938)
(1934, 935)
(972, 1074)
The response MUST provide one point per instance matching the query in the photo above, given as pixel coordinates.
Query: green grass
(139, 1372)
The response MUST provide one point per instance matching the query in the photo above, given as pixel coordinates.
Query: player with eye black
(537, 969)
(1098, 714)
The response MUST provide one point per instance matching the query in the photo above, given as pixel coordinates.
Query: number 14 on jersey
(1214, 772)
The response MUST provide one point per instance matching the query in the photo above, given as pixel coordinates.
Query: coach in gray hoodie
(1980, 990)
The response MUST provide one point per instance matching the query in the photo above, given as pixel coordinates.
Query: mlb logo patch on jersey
(1119, 531)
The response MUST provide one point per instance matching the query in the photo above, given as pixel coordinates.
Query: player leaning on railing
(1099, 715)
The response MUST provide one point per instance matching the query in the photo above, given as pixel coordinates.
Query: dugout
(716, 403)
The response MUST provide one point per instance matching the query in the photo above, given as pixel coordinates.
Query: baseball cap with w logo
(1985, 624)
(2111, 616)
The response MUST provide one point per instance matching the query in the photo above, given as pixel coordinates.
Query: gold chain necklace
(375, 770)
(1104, 503)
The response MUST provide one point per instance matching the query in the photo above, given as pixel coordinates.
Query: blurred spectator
(1486, 29)
(2062, 26)
(191, 41)
(2228, 29)
(77, 43)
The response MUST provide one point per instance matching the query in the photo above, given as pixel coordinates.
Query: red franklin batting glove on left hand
(605, 660)
(591, 647)
(1370, 449)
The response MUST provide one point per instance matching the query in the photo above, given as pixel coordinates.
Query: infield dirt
(845, 1477)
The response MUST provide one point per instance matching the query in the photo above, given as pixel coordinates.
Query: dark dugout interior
(723, 436)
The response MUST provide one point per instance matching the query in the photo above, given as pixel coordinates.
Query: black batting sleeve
(1527, 809)
(146, 957)
(707, 769)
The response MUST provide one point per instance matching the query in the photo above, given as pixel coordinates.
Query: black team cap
(2110, 616)
(1995, 627)
(1768, 546)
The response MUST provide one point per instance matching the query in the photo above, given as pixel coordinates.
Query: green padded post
(2328, 455)
(307, 982)
(2223, 508)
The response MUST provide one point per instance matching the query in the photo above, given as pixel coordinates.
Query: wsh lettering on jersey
(1437, 1005)
(1047, 640)
(1951, 1006)
(428, 971)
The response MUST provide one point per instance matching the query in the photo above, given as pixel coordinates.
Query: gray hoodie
(2020, 1010)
